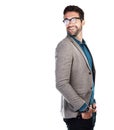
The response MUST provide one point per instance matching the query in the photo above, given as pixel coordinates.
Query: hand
(88, 114)
(94, 107)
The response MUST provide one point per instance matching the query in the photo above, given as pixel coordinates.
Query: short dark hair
(74, 8)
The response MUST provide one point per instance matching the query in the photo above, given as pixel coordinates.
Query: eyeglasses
(72, 20)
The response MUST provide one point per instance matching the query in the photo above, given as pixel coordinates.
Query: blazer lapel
(82, 53)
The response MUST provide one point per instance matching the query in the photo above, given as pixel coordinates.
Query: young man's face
(73, 23)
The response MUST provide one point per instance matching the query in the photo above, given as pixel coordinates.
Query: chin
(72, 34)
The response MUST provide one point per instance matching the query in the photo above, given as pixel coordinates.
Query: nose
(70, 24)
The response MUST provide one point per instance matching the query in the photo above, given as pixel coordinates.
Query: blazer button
(89, 72)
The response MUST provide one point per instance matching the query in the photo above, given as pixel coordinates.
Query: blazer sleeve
(64, 61)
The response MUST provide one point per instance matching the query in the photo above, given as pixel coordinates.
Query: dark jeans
(81, 124)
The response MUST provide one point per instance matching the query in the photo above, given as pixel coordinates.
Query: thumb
(90, 108)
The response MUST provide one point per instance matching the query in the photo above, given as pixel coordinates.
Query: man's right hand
(88, 114)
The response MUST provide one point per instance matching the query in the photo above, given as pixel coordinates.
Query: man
(75, 74)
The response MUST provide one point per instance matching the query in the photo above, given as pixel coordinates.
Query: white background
(29, 33)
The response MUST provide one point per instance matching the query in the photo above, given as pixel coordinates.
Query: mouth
(71, 28)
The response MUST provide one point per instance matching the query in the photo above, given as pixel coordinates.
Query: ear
(83, 22)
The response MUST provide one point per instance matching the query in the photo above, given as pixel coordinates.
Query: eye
(73, 20)
(66, 21)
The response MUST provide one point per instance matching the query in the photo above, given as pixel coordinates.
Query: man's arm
(63, 71)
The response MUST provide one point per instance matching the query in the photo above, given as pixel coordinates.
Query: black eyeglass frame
(71, 19)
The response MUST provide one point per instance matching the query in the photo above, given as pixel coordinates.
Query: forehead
(71, 14)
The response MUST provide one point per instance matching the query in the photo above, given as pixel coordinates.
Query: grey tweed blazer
(74, 77)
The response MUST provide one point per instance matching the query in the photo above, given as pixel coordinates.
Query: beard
(74, 30)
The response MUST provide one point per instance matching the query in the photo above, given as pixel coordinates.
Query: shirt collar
(76, 40)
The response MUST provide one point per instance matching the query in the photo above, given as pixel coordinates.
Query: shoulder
(64, 44)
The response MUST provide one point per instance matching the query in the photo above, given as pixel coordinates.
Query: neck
(79, 37)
